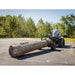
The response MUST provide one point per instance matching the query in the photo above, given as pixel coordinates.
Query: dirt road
(61, 56)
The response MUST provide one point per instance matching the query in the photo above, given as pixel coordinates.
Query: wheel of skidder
(40, 48)
(53, 46)
(61, 43)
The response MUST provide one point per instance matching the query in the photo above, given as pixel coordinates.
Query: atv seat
(55, 38)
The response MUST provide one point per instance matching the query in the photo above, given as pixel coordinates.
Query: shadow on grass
(36, 54)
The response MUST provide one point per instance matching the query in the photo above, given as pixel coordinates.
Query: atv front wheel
(60, 43)
(53, 46)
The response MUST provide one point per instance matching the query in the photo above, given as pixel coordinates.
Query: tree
(69, 22)
(40, 25)
(2, 25)
(43, 28)
(47, 28)
(10, 25)
(30, 28)
(20, 30)
(40, 22)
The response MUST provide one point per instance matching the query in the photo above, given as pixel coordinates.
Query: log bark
(20, 49)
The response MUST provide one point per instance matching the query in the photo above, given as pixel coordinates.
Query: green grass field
(69, 39)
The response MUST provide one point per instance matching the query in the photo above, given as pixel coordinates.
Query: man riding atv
(56, 32)
(58, 39)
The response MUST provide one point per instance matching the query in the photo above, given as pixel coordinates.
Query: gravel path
(61, 56)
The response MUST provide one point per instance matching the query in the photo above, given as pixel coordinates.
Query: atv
(59, 41)
(52, 43)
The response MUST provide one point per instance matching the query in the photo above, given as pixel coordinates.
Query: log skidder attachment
(17, 50)
(51, 42)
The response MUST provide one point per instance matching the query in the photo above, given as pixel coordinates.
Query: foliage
(30, 28)
(69, 23)
(18, 26)
(70, 39)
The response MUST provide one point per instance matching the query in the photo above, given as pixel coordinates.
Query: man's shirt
(55, 32)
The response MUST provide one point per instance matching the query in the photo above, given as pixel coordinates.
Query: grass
(69, 39)
(66, 39)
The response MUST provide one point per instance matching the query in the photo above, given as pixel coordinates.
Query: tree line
(18, 26)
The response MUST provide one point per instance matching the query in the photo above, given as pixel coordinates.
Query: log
(20, 49)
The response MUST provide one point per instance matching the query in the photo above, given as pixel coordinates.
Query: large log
(20, 49)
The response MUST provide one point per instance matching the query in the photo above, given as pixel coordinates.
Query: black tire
(40, 49)
(42, 38)
(63, 42)
(60, 43)
(53, 46)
